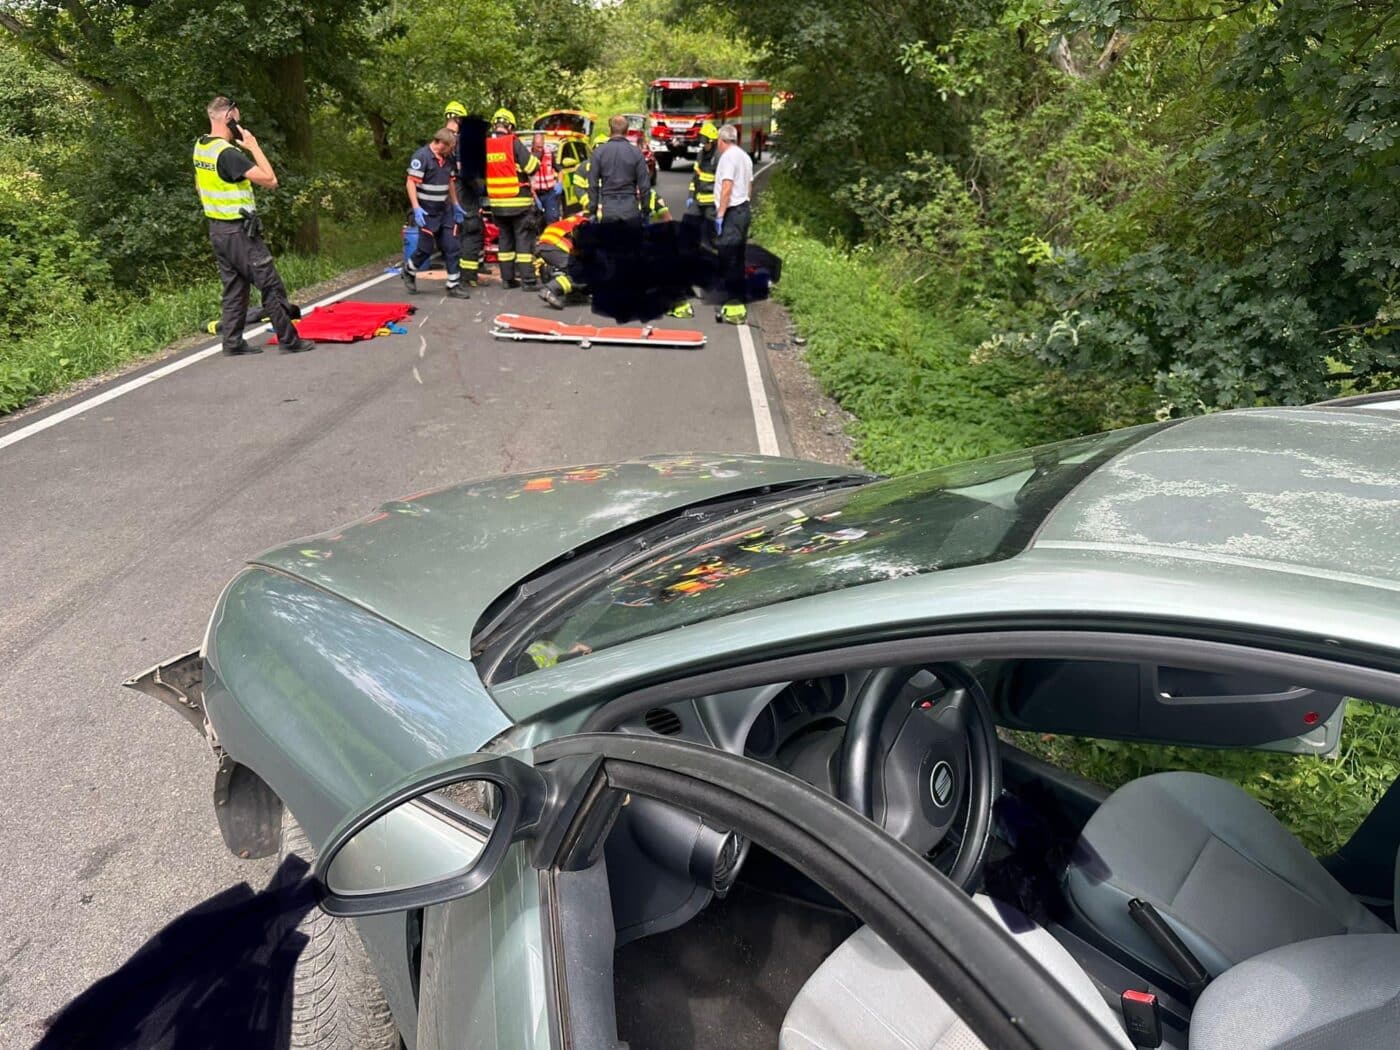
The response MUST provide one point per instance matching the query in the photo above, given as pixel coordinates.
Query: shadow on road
(219, 976)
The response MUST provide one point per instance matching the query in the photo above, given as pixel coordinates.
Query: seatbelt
(1195, 976)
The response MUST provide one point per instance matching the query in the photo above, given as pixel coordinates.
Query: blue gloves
(539, 204)
(459, 213)
(689, 203)
(558, 190)
(420, 217)
(719, 225)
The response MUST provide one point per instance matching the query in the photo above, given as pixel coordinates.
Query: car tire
(337, 1002)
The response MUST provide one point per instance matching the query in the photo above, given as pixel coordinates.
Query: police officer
(432, 194)
(224, 177)
(509, 165)
(617, 177)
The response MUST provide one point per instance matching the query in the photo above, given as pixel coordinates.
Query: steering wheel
(916, 755)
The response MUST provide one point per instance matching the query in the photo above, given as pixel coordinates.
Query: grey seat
(1227, 876)
(1331, 993)
(865, 996)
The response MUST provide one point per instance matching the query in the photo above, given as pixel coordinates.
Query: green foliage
(642, 40)
(1287, 257)
(925, 389)
(1321, 800)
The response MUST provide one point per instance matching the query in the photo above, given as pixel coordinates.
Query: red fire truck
(677, 106)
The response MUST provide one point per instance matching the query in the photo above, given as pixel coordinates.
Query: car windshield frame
(817, 541)
(705, 93)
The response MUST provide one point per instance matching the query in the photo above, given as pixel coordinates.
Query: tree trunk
(288, 75)
(379, 128)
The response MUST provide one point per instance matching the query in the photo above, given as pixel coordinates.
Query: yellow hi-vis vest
(221, 199)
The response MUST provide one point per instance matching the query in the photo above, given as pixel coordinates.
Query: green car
(722, 750)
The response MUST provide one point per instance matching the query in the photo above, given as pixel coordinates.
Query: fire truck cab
(677, 106)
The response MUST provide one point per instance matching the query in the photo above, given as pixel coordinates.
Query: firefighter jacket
(702, 181)
(561, 234)
(576, 185)
(509, 165)
(221, 200)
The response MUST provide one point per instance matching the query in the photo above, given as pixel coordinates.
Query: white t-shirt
(734, 164)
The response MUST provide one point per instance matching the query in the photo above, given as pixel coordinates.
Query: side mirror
(433, 839)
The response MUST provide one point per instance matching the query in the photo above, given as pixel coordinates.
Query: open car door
(506, 855)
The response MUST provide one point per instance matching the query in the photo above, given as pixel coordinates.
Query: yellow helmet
(599, 137)
(455, 109)
(709, 131)
(503, 116)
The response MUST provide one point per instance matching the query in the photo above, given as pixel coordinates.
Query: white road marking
(422, 346)
(765, 167)
(758, 397)
(150, 377)
(417, 376)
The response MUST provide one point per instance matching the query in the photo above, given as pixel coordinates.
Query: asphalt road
(124, 521)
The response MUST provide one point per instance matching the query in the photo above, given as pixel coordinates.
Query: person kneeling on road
(555, 250)
(432, 194)
(224, 176)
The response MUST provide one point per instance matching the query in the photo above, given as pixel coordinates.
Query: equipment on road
(349, 320)
(539, 329)
(679, 107)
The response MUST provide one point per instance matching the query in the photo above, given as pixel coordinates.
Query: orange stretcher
(541, 329)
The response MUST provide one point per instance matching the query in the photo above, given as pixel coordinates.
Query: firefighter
(509, 165)
(452, 115)
(578, 180)
(432, 195)
(655, 209)
(471, 188)
(555, 250)
(702, 183)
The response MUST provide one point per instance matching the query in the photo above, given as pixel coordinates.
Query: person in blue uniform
(432, 195)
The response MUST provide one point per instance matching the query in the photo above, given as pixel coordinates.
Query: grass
(115, 331)
(924, 385)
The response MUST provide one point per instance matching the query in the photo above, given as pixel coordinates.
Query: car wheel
(337, 1003)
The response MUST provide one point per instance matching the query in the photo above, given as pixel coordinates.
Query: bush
(48, 267)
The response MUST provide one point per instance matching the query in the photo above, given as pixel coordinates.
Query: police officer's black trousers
(244, 264)
(515, 247)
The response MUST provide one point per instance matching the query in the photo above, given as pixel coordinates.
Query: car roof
(1314, 491)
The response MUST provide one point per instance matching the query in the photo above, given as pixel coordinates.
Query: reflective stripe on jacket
(561, 234)
(702, 182)
(221, 200)
(508, 168)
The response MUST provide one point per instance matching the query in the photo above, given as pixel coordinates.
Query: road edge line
(115, 392)
(758, 396)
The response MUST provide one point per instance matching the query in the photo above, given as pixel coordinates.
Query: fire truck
(677, 106)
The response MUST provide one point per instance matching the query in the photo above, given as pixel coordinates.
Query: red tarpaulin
(348, 320)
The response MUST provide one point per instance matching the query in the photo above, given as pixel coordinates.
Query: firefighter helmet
(503, 116)
(709, 131)
(455, 109)
(599, 137)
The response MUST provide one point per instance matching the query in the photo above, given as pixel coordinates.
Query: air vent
(659, 720)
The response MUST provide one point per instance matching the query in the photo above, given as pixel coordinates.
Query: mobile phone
(236, 131)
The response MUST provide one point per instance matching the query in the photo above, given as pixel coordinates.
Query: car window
(954, 516)
(1322, 801)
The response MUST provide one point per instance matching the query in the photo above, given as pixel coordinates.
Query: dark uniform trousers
(732, 244)
(471, 236)
(244, 264)
(442, 231)
(516, 244)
